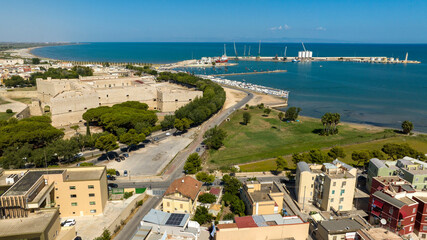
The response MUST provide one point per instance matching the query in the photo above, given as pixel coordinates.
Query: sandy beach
(23, 53)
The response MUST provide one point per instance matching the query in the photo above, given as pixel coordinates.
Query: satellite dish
(383, 221)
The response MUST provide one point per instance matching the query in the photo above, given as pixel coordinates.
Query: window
(425, 228)
(311, 193)
(312, 178)
(391, 211)
(91, 194)
(169, 204)
(69, 110)
(341, 200)
(342, 192)
(339, 207)
(410, 228)
(423, 235)
(72, 187)
(412, 219)
(334, 238)
(425, 219)
(413, 210)
(332, 199)
(90, 187)
(312, 185)
(91, 203)
(93, 211)
(176, 100)
(73, 204)
(73, 195)
(181, 206)
(334, 184)
(333, 191)
(389, 220)
(343, 184)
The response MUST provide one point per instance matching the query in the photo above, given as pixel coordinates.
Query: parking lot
(151, 159)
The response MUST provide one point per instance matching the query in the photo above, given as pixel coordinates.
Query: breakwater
(249, 73)
(248, 86)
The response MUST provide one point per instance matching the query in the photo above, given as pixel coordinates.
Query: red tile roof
(215, 191)
(245, 222)
(186, 186)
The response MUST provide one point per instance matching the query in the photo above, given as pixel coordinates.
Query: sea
(369, 93)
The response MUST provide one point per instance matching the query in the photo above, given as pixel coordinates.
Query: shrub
(9, 111)
(127, 195)
(207, 198)
(228, 216)
(110, 171)
(86, 164)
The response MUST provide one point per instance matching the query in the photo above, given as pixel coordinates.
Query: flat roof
(27, 181)
(84, 174)
(166, 219)
(395, 202)
(263, 194)
(341, 225)
(263, 221)
(35, 223)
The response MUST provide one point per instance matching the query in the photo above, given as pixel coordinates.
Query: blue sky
(371, 21)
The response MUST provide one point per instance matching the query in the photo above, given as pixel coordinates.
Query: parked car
(198, 149)
(118, 159)
(125, 173)
(168, 134)
(117, 173)
(125, 155)
(78, 238)
(68, 223)
(112, 185)
(111, 178)
(122, 158)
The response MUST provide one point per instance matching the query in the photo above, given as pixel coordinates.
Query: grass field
(23, 100)
(5, 116)
(267, 137)
(33, 88)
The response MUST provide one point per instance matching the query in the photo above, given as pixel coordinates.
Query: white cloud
(321, 28)
(281, 28)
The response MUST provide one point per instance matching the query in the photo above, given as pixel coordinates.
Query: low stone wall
(23, 114)
(19, 94)
(125, 213)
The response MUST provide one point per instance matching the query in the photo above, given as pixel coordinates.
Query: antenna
(303, 46)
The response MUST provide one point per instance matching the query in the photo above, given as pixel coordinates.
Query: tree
(232, 185)
(131, 138)
(237, 206)
(267, 111)
(202, 215)
(9, 111)
(396, 151)
(182, 124)
(246, 118)
(407, 127)
(336, 152)
(193, 164)
(207, 198)
(292, 113)
(205, 177)
(168, 122)
(75, 128)
(35, 60)
(107, 143)
(105, 235)
(214, 137)
(281, 163)
(110, 171)
(377, 154)
(330, 122)
(361, 157)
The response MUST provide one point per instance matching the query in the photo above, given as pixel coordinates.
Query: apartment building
(329, 186)
(181, 196)
(338, 229)
(266, 227)
(262, 197)
(381, 168)
(74, 191)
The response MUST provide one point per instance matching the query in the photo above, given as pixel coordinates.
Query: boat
(223, 58)
(294, 60)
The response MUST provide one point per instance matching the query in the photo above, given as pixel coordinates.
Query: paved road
(132, 226)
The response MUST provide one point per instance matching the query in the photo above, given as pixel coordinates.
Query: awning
(375, 213)
(378, 203)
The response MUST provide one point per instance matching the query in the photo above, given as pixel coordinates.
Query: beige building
(181, 196)
(329, 186)
(40, 225)
(262, 198)
(7, 62)
(265, 227)
(68, 99)
(74, 191)
(338, 229)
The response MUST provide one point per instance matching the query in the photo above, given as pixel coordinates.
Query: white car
(168, 134)
(68, 223)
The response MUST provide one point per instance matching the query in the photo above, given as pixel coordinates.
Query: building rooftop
(378, 163)
(186, 186)
(393, 201)
(27, 181)
(378, 234)
(341, 225)
(215, 191)
(264, 221)
(303, 166)
(166, 219)
(35, 223)
(84, 174)
(263, 194)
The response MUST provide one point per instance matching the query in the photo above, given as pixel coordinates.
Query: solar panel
(175, 219)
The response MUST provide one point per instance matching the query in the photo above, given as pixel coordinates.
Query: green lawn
(23, 100)
(5, 116)
(266, 137)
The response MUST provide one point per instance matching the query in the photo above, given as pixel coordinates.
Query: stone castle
(68, 99)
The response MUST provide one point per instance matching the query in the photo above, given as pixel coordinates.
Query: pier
(249, 73)
(378, 59)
